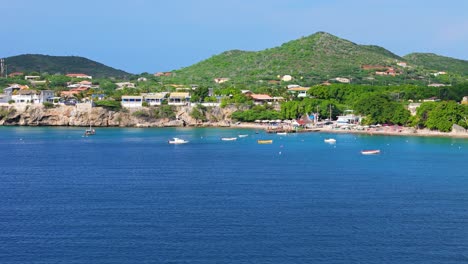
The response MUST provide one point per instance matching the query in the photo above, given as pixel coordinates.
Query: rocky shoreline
(83, 115)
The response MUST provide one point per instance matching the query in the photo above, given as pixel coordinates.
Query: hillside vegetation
(438, 63)
(317, 57)
(62, 65)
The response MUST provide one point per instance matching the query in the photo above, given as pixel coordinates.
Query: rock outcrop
(85, 115)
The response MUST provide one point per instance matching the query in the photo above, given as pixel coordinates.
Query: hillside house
(464, 100)
(261, 99)
(32, 77)
(14, 74)
(221, 80)
(132, 101)
(402, 64)
(299, 91)
(286, 78)
(79, 75)
(342, 80)
(437, 85)
(166, 74)
(122, 85)
(179, 98)
(154, 98)
(439, 73)
(389, 71)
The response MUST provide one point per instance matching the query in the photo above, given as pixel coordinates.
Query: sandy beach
(388, 131)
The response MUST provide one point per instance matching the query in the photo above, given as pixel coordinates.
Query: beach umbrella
(265, 121)
(257, 121)
(278, 121)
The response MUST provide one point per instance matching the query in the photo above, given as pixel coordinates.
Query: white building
(122, 85)
(154, 99)
(342, 80)
(179, 98)
(286, 78)
(131, 101)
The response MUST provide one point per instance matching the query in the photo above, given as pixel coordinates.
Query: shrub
(109, 104)
(48, 105)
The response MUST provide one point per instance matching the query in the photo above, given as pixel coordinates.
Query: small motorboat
(242, 136)
(265, 141)
(177, 141)
(90, 132)
(282, 133)
(228, 139)
(330, 140)
(370, 152)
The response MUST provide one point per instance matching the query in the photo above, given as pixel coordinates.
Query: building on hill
(132, 101)
(390, 72)
(166, 74)
(79, 75)
(32, 77)
(179, 98)
(221, 80)
(261, 99)
(465, 100)
(122, 85)
(342, 80)
(154, 98)
(299, 91)
(439, 73)
(402, 64)
(14, 74)
(286, 78)
(437, 85)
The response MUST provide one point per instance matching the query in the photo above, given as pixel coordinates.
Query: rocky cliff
(85, 115)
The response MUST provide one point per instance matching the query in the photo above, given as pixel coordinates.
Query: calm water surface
(127, 196)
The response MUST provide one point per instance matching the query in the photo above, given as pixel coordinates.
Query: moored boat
(177, 141)
(229, 139)
(329, 140)
(281, 133)
(90, 132)
(243, 135)
(370, 152)
(265, 141)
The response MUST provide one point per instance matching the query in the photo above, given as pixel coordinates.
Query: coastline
(385, 131)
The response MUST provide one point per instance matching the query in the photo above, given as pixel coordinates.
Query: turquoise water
(127, 196)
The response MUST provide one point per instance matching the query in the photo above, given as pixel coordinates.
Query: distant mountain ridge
(61, 64)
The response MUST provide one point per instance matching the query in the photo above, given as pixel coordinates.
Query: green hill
(318, 57)
(436, 62)
(62, 65)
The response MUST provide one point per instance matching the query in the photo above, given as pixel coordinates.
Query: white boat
(370, 152)
(177, 141)
(329, 140)
(90, 131)
(282, 133)
(229, 139)
(242, 136)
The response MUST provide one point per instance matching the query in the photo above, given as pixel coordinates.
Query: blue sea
(127, 196)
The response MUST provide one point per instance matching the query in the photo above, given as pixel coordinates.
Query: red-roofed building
(261, 98)
(79, 75)
(13, 74)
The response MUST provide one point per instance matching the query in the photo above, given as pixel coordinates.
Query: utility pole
(2, 67)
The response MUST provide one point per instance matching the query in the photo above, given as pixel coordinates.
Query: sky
(152, 35)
